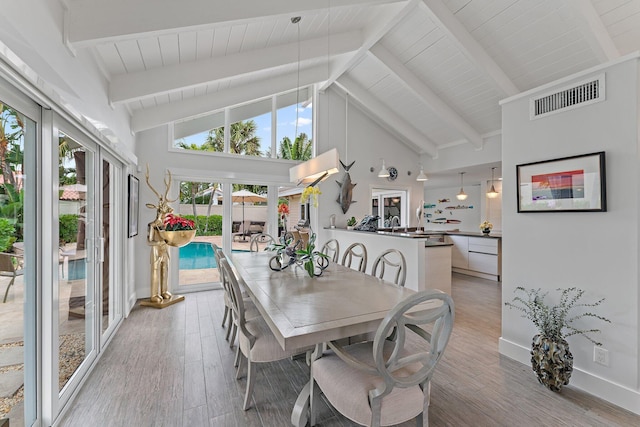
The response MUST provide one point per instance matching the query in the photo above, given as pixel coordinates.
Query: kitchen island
(428, 261)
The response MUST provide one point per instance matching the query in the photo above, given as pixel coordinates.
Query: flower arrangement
(486, 225)
(283, 209)
(555, 322)
(310, 193)
(175, 223)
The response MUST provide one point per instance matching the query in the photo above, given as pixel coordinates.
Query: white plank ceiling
(433, 71)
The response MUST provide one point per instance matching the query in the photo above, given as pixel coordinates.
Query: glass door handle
(100, 249)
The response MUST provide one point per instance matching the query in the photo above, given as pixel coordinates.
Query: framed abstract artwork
(568, 184)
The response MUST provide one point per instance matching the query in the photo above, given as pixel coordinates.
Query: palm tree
(243, 139)
(299, 150)
(11, 133)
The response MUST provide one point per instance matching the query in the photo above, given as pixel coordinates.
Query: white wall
(469, 218)
(367, 144)
(597, 252)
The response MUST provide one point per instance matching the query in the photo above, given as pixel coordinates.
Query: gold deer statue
(160, 295)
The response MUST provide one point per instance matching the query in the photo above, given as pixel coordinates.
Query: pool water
(198, 255)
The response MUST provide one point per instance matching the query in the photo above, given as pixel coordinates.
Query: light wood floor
(172, 367)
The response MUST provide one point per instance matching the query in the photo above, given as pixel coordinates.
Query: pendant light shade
(461, 195)
(384, 172)
(421, 176)
(492, 193)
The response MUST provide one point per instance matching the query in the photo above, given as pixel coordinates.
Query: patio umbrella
(242, 196)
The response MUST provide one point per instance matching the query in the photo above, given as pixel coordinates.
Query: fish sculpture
(346, 189)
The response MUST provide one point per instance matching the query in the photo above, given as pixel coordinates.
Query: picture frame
(568, 184)
(134, 188)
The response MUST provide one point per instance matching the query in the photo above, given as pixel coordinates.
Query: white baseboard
(130, 303)
(493, 277)
(602, 388)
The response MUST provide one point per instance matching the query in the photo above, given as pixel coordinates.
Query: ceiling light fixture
(492, 193)
(384, 172)
(461, 195)
(421, 176)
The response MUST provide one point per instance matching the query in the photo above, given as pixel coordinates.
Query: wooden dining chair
(331, 248)
(9, 267)
(387, 381)
(390, 261)
(228, 318)
(355, 253)
(259, 239)
(257, 344)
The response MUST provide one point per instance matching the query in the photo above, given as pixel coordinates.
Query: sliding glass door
(19, 126)
(89, 217)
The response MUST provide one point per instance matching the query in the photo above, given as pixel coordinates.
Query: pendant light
(384, 172)
(492, 193)
(421, 176)
(296, 20)
(461, 195)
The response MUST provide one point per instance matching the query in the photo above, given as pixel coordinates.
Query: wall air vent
(574, 96)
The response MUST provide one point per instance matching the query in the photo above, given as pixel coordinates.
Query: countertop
(400, 232)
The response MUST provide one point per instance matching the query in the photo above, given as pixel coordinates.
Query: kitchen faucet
(395, 221)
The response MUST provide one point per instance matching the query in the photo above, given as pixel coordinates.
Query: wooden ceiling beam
(469, 46)
(428, 96)
(594, 31)
(90, 22)
(149, 118)
(143, 84)
(373, 35)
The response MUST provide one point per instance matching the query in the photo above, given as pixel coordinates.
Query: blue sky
(286, 126)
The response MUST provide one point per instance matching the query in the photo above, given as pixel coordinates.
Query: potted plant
(178, 231)
(351, 222)
(283, 211)
(486, 227)
(551, 359)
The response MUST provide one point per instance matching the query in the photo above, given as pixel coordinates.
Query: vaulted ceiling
(431, 71)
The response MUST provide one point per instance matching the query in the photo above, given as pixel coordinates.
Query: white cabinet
(476, 256)
(483, 263)
(460, 251)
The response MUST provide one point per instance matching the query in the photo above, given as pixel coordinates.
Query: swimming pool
(198, 255)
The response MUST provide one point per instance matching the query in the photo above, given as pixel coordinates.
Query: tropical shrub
(68, 225)
(7, 237)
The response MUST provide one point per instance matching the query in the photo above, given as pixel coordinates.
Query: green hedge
(213, 223)
(68, 228)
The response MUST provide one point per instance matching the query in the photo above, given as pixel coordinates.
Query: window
(294, 114)
(391, 206)
(251, 128)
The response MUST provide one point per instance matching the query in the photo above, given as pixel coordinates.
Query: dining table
(302, 310)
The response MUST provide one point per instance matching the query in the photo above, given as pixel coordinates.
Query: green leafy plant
(556, 322)
(68, 228)
(351, 221)
(308, 256)
(6, 234)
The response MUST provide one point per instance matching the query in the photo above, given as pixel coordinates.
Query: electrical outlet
(601, 355)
